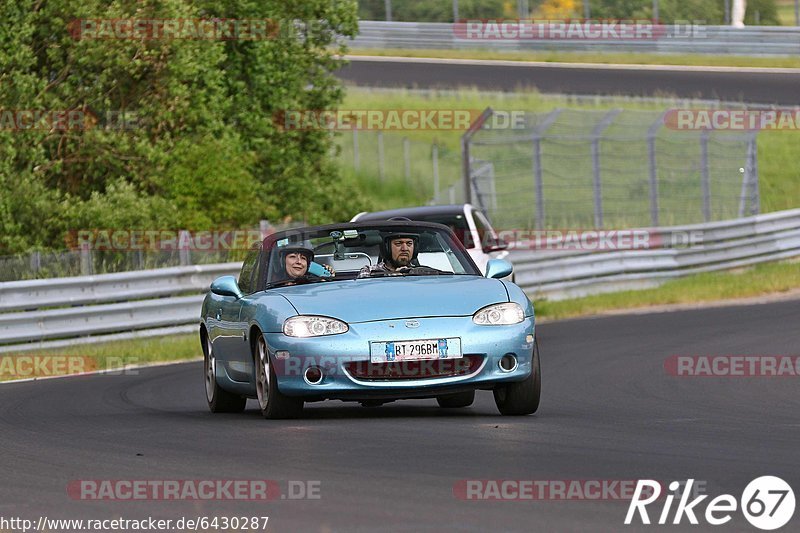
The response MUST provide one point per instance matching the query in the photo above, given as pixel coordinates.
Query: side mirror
(498, 268)
(226, 286)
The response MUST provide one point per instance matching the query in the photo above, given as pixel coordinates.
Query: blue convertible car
(369, 312)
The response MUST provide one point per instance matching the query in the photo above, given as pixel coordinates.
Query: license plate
(392, 351)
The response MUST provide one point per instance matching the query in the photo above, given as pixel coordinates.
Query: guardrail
(81, 306)
(722, 245)
(41, 311)
(102, 288)
(673, 39)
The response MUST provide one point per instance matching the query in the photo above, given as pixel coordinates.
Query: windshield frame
(270, 243)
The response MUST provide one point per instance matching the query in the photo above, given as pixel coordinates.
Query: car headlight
(313, 326)
(499, 315)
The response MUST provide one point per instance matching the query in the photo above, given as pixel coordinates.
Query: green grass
(786, 13)
(599, 57)
(764, 279)
(391, 192)
(109, 355)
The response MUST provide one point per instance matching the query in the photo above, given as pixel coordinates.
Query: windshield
(312, 255)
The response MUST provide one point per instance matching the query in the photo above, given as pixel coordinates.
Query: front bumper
(336, 355)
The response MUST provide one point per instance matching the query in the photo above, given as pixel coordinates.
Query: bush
(203, 149)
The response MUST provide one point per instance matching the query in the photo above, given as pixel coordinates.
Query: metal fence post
(704, 176)
(36, 261)
(744, 190)
(587, 11)
(651, 157)
(435, 157)
(264, 228)
(388, 7)
(597, 191)
(86, 259)
(756, 194)
(466, 169)
(538, 181)
(184, 238)
(381, 169)
(537, 164)
(523, 11)
(596, 180)
(751, 175)
(356, 160)
(455, 11)
(407, 158)
(452, 192)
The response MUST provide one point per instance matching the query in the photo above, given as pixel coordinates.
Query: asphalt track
(776, 86)
(609, 411)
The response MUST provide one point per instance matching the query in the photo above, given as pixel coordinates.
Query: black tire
(459, 399)
(272, 403)
(521, 397)
(219, 400)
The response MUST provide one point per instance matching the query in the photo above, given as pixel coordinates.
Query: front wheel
(273, 404)
(459, 399)
(522, 397)
(219, 400)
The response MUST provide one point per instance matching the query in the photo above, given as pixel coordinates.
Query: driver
(398, 253)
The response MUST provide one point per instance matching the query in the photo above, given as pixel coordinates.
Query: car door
(230, 341)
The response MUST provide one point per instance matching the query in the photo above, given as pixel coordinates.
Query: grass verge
(99, 356)
(694, 60)
(759, 280)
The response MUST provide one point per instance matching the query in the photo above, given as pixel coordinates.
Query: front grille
(435, 368)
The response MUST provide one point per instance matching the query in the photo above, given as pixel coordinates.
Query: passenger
(293, 262)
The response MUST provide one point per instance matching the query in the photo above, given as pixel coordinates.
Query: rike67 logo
(767, 503)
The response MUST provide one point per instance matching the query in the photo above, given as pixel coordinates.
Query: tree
(203, 149)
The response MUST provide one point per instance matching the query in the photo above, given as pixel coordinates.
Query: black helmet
(386, 245)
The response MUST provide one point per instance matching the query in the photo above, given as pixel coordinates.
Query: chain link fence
(189, 248)
(610, 169)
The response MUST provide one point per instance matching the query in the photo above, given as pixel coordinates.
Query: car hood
(371, 299)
